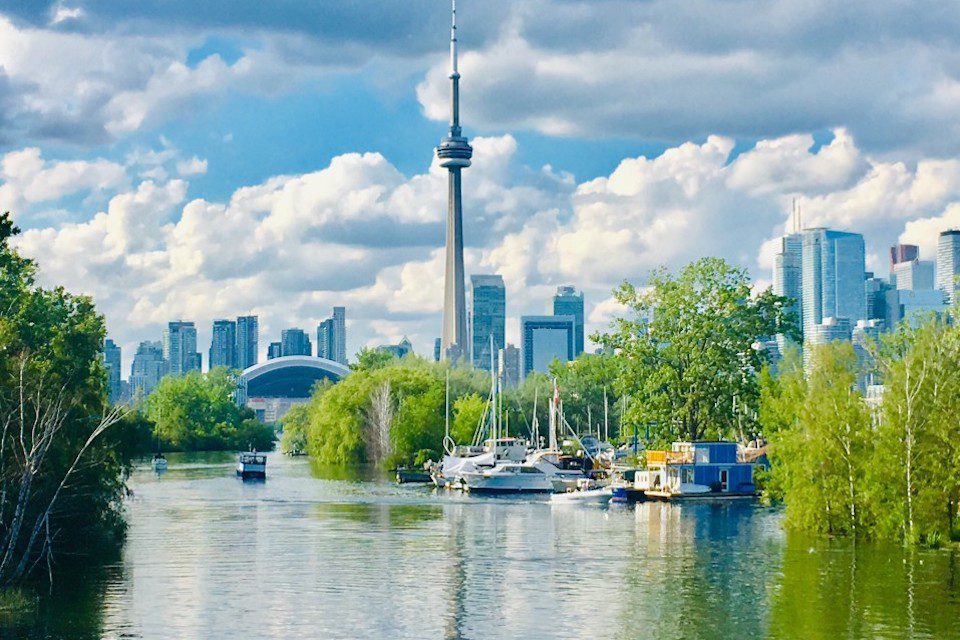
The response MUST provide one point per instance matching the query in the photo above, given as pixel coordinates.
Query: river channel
(314, 552)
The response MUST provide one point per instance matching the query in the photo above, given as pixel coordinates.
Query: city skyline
(216, 173)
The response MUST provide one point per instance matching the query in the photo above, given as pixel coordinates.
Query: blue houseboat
(699, 470)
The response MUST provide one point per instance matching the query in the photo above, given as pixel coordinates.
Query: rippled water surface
(325, 553)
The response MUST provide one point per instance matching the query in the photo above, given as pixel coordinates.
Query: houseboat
(252, 465)
(699, 470)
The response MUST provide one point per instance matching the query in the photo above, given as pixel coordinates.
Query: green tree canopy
(688, 354)
(197, 412)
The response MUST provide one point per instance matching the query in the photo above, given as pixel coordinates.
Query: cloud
(752, 69)
(360, 233)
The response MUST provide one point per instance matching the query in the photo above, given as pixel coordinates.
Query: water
(326, 553)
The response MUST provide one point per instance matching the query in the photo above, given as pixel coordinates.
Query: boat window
(530, 470)
(688, 475)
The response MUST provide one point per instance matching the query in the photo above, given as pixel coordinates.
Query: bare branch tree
(380, 415)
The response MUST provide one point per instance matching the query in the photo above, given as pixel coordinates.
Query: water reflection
(324, 552)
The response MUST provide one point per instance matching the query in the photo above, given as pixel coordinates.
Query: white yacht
(252, 465)
(508, 477)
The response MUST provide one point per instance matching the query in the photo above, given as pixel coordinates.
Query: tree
(295, 424)
(588, 384)
(380, 415)
(468, 411)
(916, 479)
(62, 471)
(822, 450)
(197, 412)
(688, 357)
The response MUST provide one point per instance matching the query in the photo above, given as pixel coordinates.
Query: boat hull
(507, 483)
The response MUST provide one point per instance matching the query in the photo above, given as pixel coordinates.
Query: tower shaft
(454, 154)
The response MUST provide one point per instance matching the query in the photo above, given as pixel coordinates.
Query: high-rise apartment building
(833, 279)
(567, 302)
(437, 348)
(544, 339)
(295, 342)
(274, 350)
(913, 275)
(147, 369)
(400, 350)
(509, 362)
(876, 293)
(180, 348)
(248, 341)
(489, 316)
(332, 337)
(948, 263)
(223, 344)
(788, 278)
(111, 361)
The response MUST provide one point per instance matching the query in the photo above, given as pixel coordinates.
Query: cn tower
(454, 154)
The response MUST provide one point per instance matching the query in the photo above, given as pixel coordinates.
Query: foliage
(294, 425)
(887, 471)
(587, 383)
(822, 450)
(468, 411)
(687, 358)
(371, 359)
(916, 476)
(62, 468)
(197, 412)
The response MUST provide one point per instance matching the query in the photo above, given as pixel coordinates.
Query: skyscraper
(788, 276)
(509, 363)
(147, 369)
(248, 341)
(833, 278)
(545, 338)
(948, 263)
(295, 342)
(567, 302)
(332, 337)
(876, 290)
(274, 350)
(903, 253)
(223, 344)
(913, 275)
(111, 360)
(454, 154)
(489, 317)
(180, 348)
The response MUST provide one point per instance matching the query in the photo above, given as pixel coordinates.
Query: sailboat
(480, 455)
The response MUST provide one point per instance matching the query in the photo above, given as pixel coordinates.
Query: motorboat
(251, 464)
(587, 491)
(159, 463)
(508, 477)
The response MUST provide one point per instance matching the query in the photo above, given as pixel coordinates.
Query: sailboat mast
(493, 405)
(606, 417)
(446, 409)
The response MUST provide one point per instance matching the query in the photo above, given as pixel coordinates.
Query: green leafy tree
(197, 412)
(822, 449)
(63, 463)
(687, 356)
(468, 411)
(295, 424)
(587, 384)
(916, 477)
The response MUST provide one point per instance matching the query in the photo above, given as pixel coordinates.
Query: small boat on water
(587, 492)
(251, 464)
(159, 463)
(411, 476)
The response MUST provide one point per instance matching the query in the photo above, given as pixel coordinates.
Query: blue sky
(177, 160)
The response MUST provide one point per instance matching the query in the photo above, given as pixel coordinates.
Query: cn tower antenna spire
(454, 154)
(453, 39)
